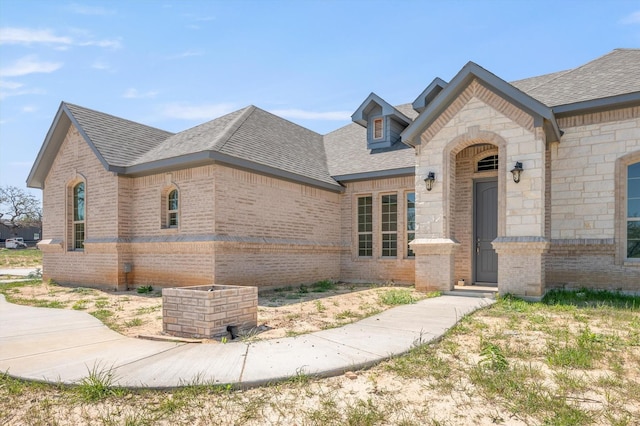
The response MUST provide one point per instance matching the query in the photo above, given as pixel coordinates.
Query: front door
(485, 231)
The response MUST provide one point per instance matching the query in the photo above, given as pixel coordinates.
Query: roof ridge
(233, 127)
(115, 116)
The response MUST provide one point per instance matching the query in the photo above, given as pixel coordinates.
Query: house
(528, 185)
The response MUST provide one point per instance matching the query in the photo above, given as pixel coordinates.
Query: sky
(176, 64)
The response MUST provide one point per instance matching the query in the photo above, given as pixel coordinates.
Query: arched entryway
(475, 197)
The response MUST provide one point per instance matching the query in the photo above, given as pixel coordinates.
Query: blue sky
(176, 64)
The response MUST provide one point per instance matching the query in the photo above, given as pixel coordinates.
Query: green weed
(396, 297)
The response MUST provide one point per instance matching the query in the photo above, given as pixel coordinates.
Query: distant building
(528, 185)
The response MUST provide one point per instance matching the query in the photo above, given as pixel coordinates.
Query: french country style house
(526, 185)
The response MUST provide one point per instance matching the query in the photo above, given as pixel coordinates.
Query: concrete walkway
(62, 346)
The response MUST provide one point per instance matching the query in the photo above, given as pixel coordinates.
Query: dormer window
(378, 128)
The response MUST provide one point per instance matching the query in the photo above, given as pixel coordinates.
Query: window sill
(631, 262)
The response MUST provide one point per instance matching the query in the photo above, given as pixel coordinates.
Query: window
(389, 222)
(488, 163)
(411, 221)
(172, 209)
(365, 227)
(633, 211)
(78, 216)
(377, 128)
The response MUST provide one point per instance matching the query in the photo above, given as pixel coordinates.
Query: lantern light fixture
(516, 171)
(429, 180)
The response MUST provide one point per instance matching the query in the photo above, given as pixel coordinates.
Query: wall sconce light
(516, 171)
(429, 180)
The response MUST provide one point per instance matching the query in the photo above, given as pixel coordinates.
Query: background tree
(19, 209)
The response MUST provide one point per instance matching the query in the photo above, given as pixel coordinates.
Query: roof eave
(595, 105)
(45, 156)
(377, 174)
(210, 157)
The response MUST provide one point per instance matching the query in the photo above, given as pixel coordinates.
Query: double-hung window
(365, 226)
(389, 225)
(633, 211)
(78, 216)
(411, 221)
(172, 209)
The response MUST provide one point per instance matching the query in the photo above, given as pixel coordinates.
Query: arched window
(78, 216)
(172, 209)
(633, 211)
(488, 163)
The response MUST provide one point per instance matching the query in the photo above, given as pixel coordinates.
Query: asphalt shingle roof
(257, 136)
(347, 151)
(616, 73)
(120, 142)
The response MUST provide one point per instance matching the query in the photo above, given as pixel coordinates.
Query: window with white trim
(633, 211)
(378, 128)
(172, 209)
(78, 216)
(411, 221)
(365, 226)
(389, 225)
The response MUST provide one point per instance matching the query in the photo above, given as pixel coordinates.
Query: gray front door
(485, 231)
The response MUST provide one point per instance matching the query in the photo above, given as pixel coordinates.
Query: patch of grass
(346, 314)
(38, 303)
(592, 299)
(20, 258)
(578, 352)
(323, 286)
(398, 296)
(135, 322)
(102, 314)
(492, 357)
(98, 385)
(145, 289)
(148, 309)
(364, 413)
(80, 305)
(320, 306)
(101, 303)
(83, 290)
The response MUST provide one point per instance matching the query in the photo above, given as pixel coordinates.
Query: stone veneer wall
(197, 312)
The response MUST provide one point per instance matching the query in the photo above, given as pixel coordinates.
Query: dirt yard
(284, 312)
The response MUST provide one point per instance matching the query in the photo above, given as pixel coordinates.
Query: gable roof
(250, 138)
(464, 77)
(360, 116)
(349, 158)
(104, 133)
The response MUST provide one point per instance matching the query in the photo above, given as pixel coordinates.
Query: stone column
(521, 265)
(434, 263)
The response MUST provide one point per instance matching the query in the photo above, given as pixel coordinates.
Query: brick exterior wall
(376, 268)
(235, 227)
(207, 311)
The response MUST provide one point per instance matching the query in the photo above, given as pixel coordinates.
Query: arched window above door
(487, 163)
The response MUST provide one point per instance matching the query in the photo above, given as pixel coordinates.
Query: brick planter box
(206, 311)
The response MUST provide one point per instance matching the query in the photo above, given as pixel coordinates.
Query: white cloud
(29, 36)
(186, 54)
(29, 108)
(202, 112)
(312, 115)
(132, 93)
(111, 44)
(29, 65)
(5, 94)
(12, 85)
(632, 18)
(82, 9)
